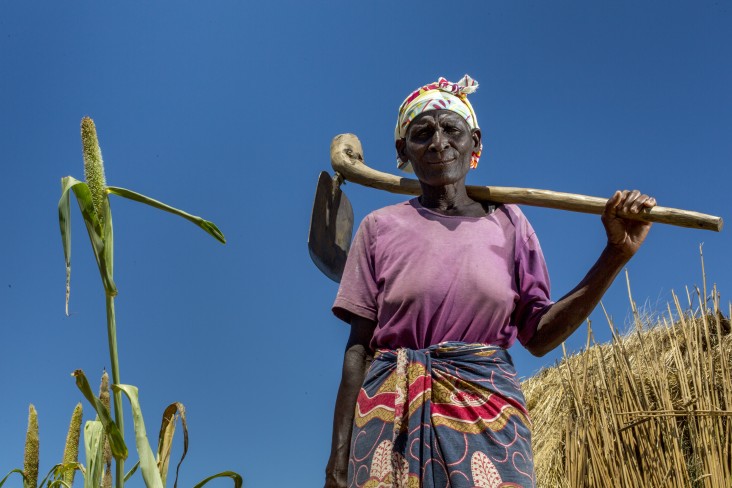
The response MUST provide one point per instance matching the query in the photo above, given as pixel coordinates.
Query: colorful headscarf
(440, 95)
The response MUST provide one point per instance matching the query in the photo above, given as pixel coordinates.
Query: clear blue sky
(227, 109)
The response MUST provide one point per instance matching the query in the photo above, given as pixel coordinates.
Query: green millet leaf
(94, 166)
(30, 459)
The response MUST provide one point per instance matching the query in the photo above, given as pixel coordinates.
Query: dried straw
(653, 408)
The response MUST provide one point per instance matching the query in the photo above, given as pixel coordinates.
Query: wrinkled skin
(439, 144)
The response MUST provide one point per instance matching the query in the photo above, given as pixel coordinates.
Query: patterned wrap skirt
(452, 415)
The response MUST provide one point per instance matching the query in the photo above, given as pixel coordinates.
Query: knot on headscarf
(440, 95)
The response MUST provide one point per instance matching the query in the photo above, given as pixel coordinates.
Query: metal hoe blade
(331, 227)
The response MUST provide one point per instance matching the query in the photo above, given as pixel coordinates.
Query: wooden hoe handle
(346, 155)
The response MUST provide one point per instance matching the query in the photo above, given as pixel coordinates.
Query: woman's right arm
(356, 360)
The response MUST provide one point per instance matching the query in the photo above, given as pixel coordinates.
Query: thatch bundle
(653, 408)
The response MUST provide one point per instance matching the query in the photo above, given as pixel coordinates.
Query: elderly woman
(436, 289)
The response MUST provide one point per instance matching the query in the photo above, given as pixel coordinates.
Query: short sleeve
(357, 294)
(533, 286)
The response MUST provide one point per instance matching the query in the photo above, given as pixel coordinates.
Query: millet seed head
(30, 458)
(93, 166)
(104, 391)
(105, 399)
(71, 449)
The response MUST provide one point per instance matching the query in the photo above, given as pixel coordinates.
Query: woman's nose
(439, 141)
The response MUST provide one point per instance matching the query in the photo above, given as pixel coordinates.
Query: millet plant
(62, 474)
(92, 196)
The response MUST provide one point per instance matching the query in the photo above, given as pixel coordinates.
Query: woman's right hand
(356, 360)
(335, 479)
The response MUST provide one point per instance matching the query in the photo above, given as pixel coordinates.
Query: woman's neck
(450, 199)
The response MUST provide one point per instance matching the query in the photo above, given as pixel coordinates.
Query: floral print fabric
(452, 415)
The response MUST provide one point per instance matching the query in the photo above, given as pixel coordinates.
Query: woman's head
(440, 95)
(440, 145)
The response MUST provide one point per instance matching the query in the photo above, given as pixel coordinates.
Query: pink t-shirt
(427, 278)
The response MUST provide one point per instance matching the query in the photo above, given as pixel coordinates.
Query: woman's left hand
(624, 238)
(625, 235)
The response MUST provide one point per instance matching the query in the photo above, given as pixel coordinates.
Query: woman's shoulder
(406, 206)
(397, 211)
(405, 213)
(514, 214)
(513, 211)
(390, 217)
(520, 224)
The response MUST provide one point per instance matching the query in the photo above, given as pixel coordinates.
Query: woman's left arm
(624, 238)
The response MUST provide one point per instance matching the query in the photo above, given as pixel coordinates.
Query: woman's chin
(441, 176)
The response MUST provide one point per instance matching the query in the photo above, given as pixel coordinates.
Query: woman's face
(439, 144)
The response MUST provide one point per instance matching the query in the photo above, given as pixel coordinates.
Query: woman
(435, 290)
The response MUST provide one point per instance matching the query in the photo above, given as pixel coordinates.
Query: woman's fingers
(612, 203)
(629, 201)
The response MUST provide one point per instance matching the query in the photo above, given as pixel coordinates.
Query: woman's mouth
(441, 161)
